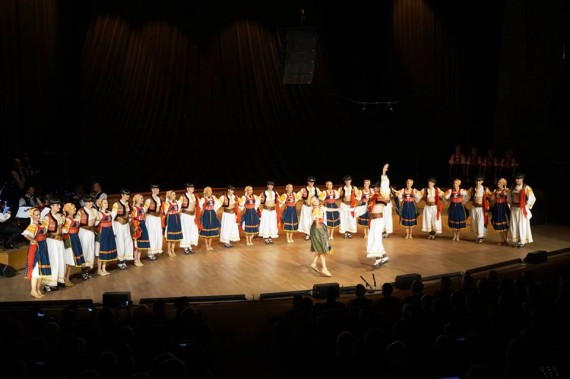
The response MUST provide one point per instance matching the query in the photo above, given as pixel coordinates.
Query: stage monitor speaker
(535, 257)
(300, 56)
(117, 299)
(7, 271)
(320, 291)
(404, 282)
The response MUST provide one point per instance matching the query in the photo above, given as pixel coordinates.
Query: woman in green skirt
(319, 237)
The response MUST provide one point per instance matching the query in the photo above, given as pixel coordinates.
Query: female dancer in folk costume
(270, 213)
(362, 196)
(73, 251)
(38, 265)
(289, 218)
(138, 228)
(409, 197)
(306, 218)
(521, 199)
(500, 210)
(431, 216)
(480, 197)
(121, 212)
(173, 228)
(229, 231)
(374, 245)
(53, 221)
(209, 221)
(153, 220)
(319, 237)
(329, 196)
(249, 203)
(107, 245)
(456, 213)
(190, 219)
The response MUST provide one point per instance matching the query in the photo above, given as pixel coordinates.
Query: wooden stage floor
(283, 267)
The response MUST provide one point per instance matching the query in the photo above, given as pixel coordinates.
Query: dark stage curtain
(141, 98)
(133, 92)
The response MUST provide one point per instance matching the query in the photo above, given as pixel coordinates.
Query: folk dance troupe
(62, 237)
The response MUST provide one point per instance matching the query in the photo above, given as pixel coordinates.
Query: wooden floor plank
(281, 267)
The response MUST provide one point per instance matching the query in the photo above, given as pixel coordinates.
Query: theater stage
(283, 267)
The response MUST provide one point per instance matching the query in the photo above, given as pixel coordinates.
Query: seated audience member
(29, 199)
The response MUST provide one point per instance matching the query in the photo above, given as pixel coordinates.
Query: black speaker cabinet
(535, 257)
(404, 282)
(300, 55)
(116, 299)
(7, 271)
(320, 291)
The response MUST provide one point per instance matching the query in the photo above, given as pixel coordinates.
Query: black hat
(311, 179)
(431, 179)
(479, 178)
(54, 200)
(519, 175)
(87, 198)
(188, 184)
(270, 183)
(231, 187)
(347, 177)
(154, 186)
(125, 191)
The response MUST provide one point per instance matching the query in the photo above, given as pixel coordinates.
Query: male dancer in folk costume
(374, 245)
(347, 195)
(306, 219)
(270, 214)
(190, 219)
(229, 230)
(480, 196)
(521, 198)
(386, 193)
(54, 221)
(121, 214)
(431, 216)
(88, 216)
(152, 208)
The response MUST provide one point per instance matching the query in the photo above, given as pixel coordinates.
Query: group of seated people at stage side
(469, 166)
(14, 213)
(486, 328)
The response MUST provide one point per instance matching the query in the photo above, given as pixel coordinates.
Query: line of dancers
(62, 237)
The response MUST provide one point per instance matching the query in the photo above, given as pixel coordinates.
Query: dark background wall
(134, 92)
